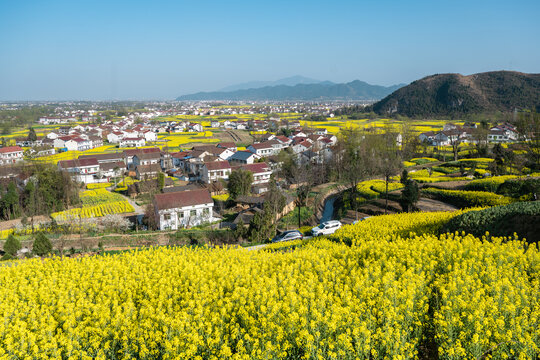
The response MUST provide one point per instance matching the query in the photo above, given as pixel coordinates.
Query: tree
(12, 245)
(389, 160)
(409, 195)
(528, 127)
(149, 218)
(455, 141)
(260, 227)
(240, 183)
(241, 231)
(32, 135)
(10, 202)
(42, 245)
(302, 193)
(161, 181)
(274, 202)
(404, 177)
(355, 160)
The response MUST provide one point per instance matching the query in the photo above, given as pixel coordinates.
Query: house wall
(175, 221)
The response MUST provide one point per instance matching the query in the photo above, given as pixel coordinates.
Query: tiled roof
(144, 169)
(78, 163)
(10, 149)
(182, 199)
(217, 165)
(242, 155)
(110, 156)
(255, 168)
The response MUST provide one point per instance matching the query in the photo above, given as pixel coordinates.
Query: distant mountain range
(324, 90)
(456, 94)
(290, 81)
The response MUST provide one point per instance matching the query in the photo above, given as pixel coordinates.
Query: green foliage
(263, 225)
(49, 190)
(522, 218)
(508, 185)
(42, 245)
(409, 195)
(465, 199)
(240, 183)
(12, 245)
(9, 204)
(520, 188)
(32, 134)
(161, 180)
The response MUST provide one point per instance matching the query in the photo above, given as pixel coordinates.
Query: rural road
(262, 246)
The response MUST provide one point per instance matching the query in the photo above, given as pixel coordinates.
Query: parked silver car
(326, 228)
(288, 235)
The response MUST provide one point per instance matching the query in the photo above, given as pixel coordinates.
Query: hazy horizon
(61, 50)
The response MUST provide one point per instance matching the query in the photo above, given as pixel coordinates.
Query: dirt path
(8, 224)
(429, 205)
(454, 185)
(138, 209)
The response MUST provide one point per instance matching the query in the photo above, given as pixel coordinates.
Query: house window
(206, 212)
(167, 217)
(193, 213)
(181, 215)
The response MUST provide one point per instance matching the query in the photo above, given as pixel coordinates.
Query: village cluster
(141, 155)
(468, 133)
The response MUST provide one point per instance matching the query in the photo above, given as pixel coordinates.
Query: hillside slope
(354, 90)
(455, 94)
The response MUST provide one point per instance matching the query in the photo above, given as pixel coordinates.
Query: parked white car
(326, 228)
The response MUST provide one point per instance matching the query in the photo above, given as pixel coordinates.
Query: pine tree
(12, 245)
(404, 177)
(32, 135)
(409, 195)
(42, 245)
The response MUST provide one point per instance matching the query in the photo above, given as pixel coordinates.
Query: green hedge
(520, 188)
(508, 185)
(522, 218)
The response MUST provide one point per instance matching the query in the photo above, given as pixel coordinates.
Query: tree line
(38, 190)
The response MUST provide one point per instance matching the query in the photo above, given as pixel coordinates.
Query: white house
(82, 144)
(148, 135)
(261, 172)
(110, 170)
(228, 145)
(150, 158)
(10, 155)
(52, 135)
(215, 170)
(243, 157)
(194, 127)
(83, 170)
(266, 148)
(132, 142)
(301, 147)
(181, 209)
(115, 137)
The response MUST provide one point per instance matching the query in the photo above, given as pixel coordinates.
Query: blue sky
(102, 50)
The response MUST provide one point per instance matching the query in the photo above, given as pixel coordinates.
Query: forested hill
(455, 94)
(354, 90)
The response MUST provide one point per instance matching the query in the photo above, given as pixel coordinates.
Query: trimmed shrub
(12, 245)
(42, 245)
(522, 218)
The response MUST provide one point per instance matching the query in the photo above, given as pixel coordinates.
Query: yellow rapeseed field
(394, 290)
